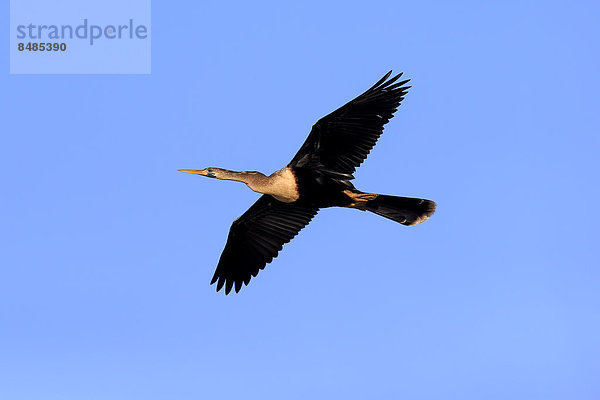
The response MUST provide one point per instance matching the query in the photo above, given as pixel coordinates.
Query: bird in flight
(319, 176)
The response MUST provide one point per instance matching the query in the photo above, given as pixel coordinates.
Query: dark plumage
(318, 176)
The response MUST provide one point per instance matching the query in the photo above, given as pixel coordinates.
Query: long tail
(406, 210)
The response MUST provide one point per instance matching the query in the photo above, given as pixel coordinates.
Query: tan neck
(281, 184)
(248, 177)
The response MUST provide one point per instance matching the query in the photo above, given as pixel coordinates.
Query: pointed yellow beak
(195, 171)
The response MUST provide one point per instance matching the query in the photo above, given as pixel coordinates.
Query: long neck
(251, 178)
(281, 185)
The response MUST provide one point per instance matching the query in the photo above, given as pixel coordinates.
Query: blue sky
(107, 250)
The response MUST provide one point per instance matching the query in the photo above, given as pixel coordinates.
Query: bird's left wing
(339, 142)
(256, 238)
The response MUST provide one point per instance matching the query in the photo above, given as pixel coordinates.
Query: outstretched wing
(256, 238)
(341, 141)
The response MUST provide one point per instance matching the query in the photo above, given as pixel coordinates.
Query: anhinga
(318, 176)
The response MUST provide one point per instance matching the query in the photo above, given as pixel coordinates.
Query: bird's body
(282, 185)
(319, 176)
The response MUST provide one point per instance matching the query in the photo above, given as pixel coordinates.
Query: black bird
(319, 176)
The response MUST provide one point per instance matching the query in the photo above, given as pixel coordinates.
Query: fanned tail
(405, 210)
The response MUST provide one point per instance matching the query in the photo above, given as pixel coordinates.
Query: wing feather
(256, 238)
(341, 141)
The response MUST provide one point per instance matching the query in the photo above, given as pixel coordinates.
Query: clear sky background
(107, 250)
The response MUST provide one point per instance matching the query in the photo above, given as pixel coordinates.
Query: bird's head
(210, 172)
(248, 177)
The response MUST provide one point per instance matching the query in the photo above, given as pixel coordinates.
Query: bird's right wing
(256, 238)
